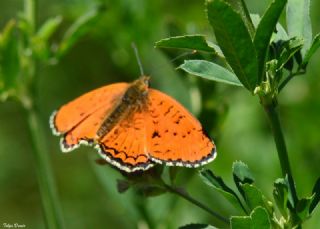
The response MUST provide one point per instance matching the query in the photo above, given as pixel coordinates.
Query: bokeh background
(233, 117)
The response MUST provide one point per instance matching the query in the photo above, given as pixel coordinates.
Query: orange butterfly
(133, 127)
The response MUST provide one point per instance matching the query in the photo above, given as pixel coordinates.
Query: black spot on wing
(168, 111)
(156, 134)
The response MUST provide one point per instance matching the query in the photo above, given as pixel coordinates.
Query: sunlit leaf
(299, 22)
(209, 70)
(235, 41)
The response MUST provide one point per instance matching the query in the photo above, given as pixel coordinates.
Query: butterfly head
(144, 80)
(137, 91)
(142, 84)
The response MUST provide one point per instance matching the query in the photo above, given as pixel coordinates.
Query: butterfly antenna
(135, 49)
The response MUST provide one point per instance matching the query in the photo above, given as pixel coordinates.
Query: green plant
(258, 54)
(24, 47)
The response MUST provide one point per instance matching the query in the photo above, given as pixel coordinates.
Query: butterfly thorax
(134, 100)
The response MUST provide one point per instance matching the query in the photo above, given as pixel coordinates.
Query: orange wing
(125, 145)
(174, 136)
(79, 120)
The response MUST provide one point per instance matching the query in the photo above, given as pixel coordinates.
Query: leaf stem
(272, 114)
(182, 193)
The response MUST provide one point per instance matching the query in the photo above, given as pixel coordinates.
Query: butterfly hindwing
(125, 145)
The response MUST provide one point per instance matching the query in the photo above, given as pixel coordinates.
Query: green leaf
(314, 47)
(278, 34)
(209, 70)
(288, 49)
(254, 198)
(264, 32)
(316, 193)
(235, 41)
(40, 45)
(241, 173)
(258, 219)
(303, 207)
(197, 226)
(241, 222)
(192, 42)
(6, 33)
(241, 8)
(255, 18)
(280, 195)
(299, 23)
(218, 184)
(48, 28)
(9, 57)
(78, 29)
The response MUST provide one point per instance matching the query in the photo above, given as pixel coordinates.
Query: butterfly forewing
(174, 136)
(76, 111)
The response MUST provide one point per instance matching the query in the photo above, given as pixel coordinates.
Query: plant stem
(50, 204)
(270, 109)
(189, 198)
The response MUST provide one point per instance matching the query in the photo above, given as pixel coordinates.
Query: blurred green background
(233, 117)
